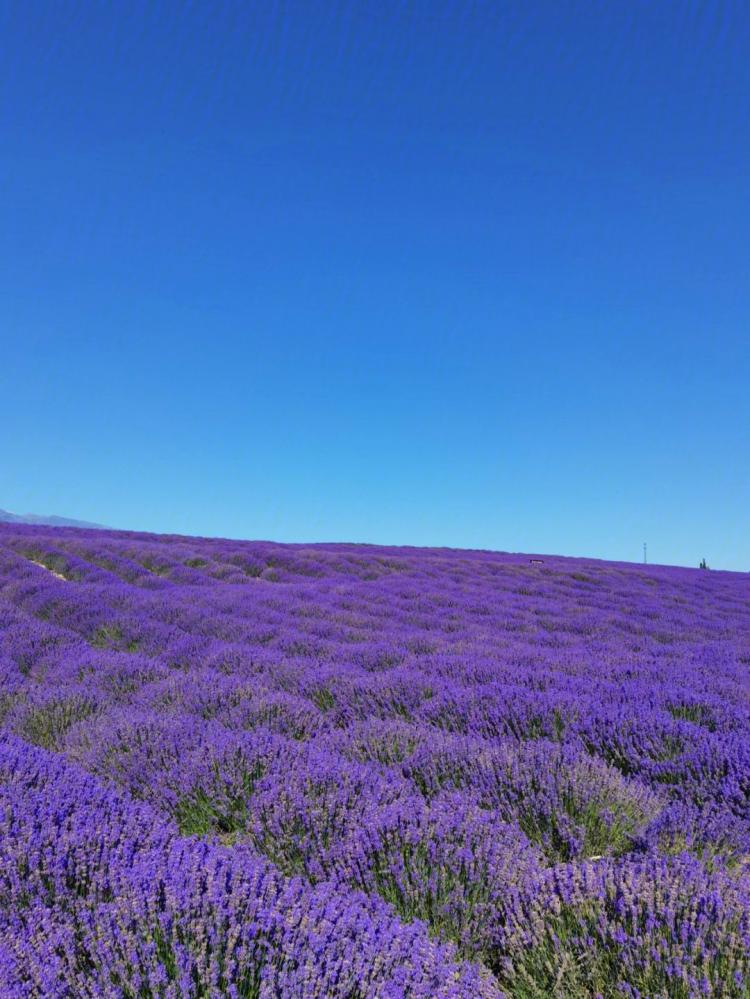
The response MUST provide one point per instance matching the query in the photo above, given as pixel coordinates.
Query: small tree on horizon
(702, 564)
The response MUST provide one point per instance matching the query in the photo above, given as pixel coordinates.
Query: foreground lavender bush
(101, 897)
(254, 770)
(656, 927)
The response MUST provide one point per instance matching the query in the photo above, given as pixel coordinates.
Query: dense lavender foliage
(255, 770)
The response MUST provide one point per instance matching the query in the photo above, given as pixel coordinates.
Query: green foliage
(699, 714)
(418, 888)
(577, 953)
(44, 725)
(111, 636)
(323, 699)
(220, 808)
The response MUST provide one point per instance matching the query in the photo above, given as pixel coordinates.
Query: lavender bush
(256, 770)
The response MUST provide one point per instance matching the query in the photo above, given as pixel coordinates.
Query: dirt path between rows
(57, 575)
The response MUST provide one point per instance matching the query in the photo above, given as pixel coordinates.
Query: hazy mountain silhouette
(52, 520)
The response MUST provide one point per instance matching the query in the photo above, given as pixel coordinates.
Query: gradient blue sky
(467, 274)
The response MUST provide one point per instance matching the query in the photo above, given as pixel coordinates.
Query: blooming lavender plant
(256, 770)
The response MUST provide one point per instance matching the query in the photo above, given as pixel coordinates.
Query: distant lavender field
(258, 770)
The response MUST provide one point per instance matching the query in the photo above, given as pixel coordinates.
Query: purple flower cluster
(102, 897)
(256, 770)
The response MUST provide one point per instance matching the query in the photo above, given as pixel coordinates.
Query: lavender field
(257, 770)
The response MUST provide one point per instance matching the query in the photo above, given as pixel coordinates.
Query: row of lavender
(356, 772)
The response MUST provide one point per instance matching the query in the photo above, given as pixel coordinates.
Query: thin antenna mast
(645, 557)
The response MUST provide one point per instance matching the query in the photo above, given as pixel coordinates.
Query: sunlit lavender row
(257, 770)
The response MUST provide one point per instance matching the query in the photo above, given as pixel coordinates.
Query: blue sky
(468, 274)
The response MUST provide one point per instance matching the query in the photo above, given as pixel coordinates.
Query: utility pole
(645, 558)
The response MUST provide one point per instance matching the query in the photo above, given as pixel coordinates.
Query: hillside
(244, 768)
(48, 520)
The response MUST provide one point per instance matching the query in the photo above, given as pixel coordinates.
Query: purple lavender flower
(254, 770)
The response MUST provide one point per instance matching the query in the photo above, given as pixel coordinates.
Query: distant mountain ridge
(51, 521)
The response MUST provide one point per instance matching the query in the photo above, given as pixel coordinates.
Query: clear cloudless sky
(406, 271)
